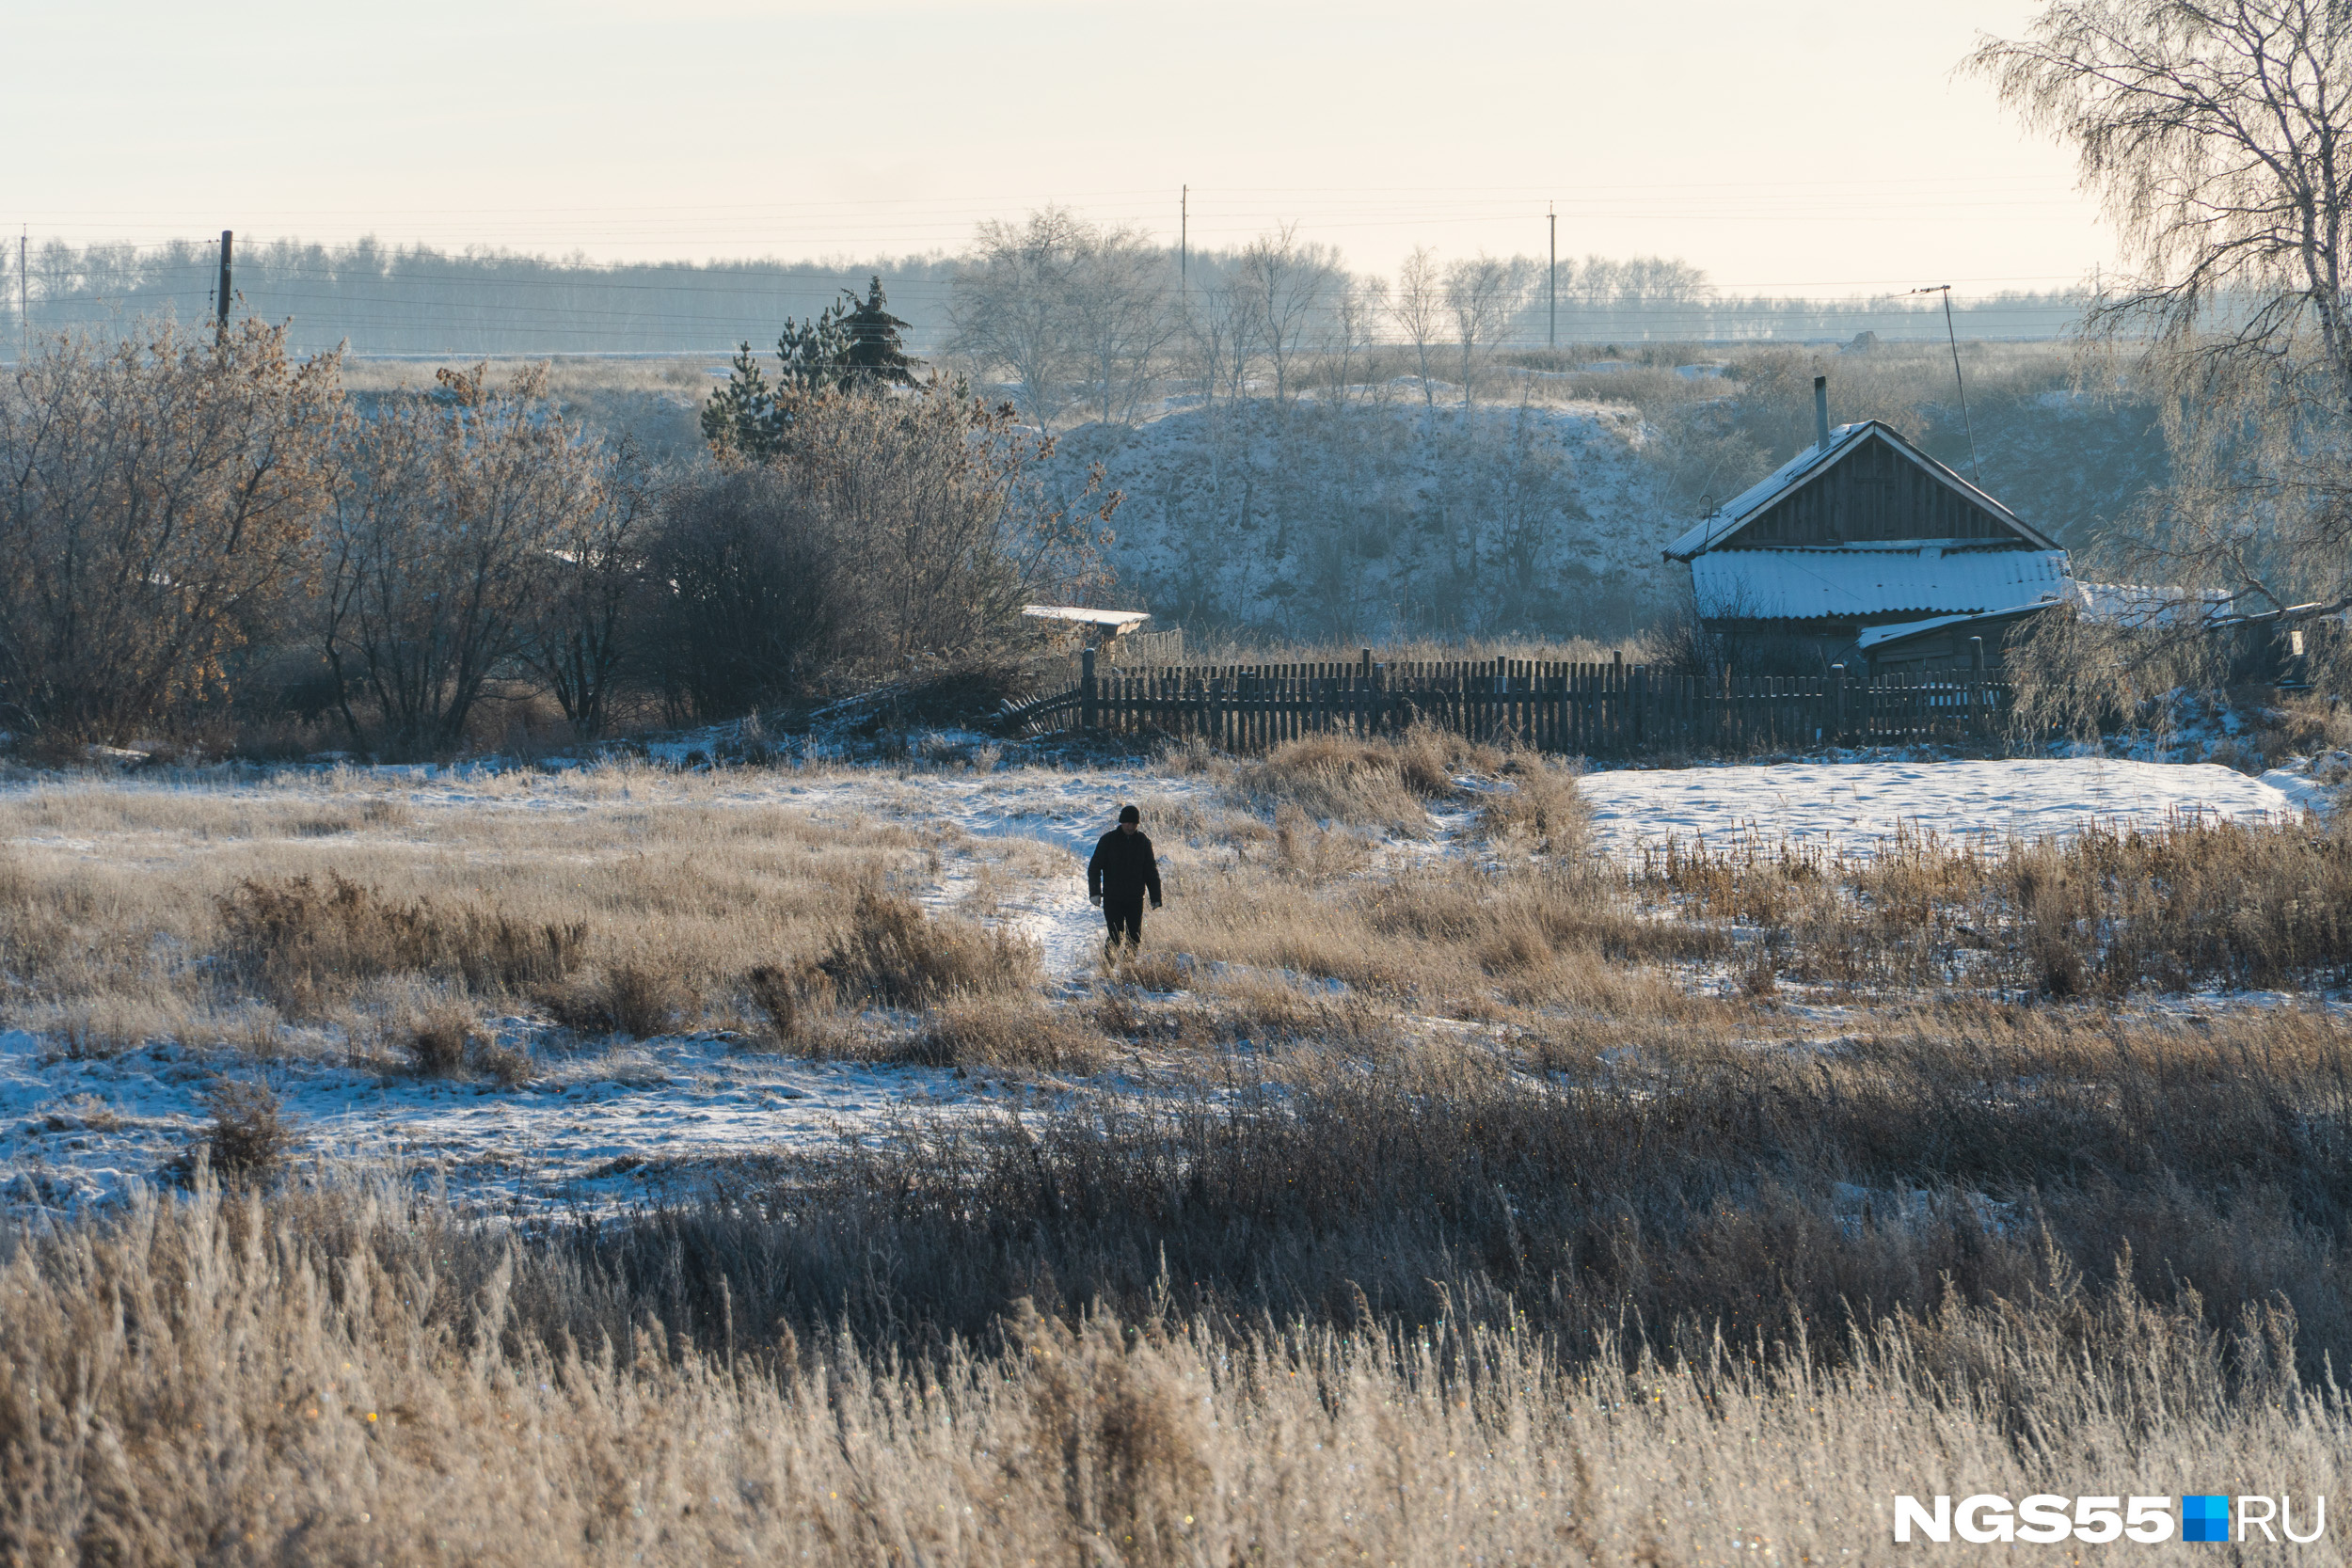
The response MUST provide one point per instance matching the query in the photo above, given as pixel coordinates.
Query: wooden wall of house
(1873, 493)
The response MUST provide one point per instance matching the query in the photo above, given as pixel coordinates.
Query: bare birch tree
(1009, 304)
(952, 513)
(2216, 136)
(1418, 307)
(576, 637)
(1482, 296)
(1066, 306)
(1290, 281)
(1355, 317)
(1120, 319)
(1225, 329)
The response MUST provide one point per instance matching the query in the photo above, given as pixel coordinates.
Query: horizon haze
(1789, 152)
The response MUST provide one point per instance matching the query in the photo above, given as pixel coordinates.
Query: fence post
(1086, 688)
(1976, 716)
(1616, 700)
(1838, 705)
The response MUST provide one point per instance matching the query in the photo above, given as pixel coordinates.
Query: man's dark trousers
(1126, 915)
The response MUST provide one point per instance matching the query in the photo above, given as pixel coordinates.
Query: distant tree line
(201, 536)
(1094, 314)
(420, 300)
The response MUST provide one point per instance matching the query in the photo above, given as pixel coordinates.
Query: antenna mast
(1953, 337)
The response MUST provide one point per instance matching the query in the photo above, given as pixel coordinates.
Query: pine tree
(736, 419)
(752, 419)
(816, 354)
(875, 356)
(851, 344)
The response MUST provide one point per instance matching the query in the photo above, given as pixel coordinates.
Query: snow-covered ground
(1849, 808)
(603, 1124)
(597, 1129)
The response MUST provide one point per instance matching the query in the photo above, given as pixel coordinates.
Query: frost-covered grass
(1462, 1169)
(525, 977)
(1398, 1304)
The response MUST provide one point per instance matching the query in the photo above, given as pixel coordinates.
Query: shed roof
(1809, 584)
(1124, 620)
(2142, 605)
(1877, 636)
(1713, 532)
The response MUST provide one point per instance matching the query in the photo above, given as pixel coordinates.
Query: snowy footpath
(1066, 812)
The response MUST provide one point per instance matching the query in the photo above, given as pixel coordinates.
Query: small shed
(1862, 547)
(1095, 628)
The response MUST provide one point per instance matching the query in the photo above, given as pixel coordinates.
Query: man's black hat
(1129, 813)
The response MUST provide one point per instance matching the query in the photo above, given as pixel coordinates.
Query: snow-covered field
(1849, 808)
(601, 1128)
(609, 1122)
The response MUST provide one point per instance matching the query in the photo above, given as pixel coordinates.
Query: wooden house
(1863, 549)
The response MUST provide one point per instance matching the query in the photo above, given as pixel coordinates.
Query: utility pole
(24, 294)
(1551, 216)
(227, 240)
(1945, 290)
(1183, 243)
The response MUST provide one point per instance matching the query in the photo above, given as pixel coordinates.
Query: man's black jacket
(1123, 869)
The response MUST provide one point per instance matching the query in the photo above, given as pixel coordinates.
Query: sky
(1786, 149)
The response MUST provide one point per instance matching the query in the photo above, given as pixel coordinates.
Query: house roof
(1829, 583)
(1713, 532)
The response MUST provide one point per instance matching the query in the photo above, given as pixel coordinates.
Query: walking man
(1123, 869)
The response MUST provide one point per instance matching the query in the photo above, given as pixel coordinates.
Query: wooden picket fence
(1582, 709)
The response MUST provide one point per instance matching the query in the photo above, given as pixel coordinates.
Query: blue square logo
(2205, 1518)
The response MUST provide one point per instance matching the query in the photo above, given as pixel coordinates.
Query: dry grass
(797, 1002)
(1542, 811)
(628, 899)
(2194, 903)
(892, 952)
(247, 1139)
(1439, 935)
(303, 945)
(1412, 1308)
(1385, 783)
(442, 1041)
(1518, 1241)
(1004, 1031)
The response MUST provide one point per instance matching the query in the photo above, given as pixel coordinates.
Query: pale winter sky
(1791, 147)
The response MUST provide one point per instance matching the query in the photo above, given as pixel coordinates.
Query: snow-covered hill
(1376, 515)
